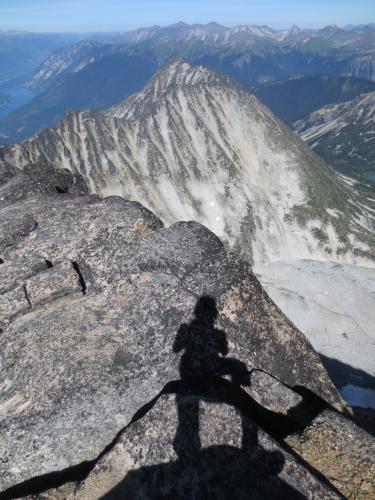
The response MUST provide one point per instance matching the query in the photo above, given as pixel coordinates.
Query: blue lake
(19, 95)
(372, 178)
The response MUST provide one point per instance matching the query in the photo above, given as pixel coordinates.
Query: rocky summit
(144, 361)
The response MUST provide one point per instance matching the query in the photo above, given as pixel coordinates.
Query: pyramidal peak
(177, 74)
(180, 72)
(294, 30)
(195, 145)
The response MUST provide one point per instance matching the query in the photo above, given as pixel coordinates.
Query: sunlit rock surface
(97, 293)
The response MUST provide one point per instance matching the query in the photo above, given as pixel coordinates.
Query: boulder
(37, 179)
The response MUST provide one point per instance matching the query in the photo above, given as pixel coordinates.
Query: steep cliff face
(194, 145)
(363, 66)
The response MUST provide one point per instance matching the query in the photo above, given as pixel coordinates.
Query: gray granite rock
(37, 179)
(52, 284)
(13, 303)
(221, 455)
(272, 394)
(14, 272)
(7, 172)
(341, 451)
(15, 226)
(75, 367)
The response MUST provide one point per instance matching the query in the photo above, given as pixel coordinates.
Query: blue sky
(103, 15)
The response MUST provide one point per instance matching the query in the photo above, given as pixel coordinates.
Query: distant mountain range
(21, 52)
(251, 54)
(250, 35)
(353, 27)
(89, 74)
(196, 145)
(343, 134)
(98, 85)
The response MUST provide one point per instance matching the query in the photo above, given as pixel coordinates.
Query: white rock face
(195, 145)
(334, 306)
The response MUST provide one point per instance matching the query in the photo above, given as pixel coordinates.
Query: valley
(16, 95)
(295, 98)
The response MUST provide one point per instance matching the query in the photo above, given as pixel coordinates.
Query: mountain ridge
(215, 154)
(250, 54)
(343, 134)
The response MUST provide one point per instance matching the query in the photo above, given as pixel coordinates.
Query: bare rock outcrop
(348, 460)
(104, 312)
(233, 458)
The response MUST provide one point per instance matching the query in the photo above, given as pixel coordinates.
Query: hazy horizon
(88, 16)
(10, 30)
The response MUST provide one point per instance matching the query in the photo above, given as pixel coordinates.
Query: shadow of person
(208, 376)
(202, 364)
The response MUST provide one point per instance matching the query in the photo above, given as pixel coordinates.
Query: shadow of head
(205, 310)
